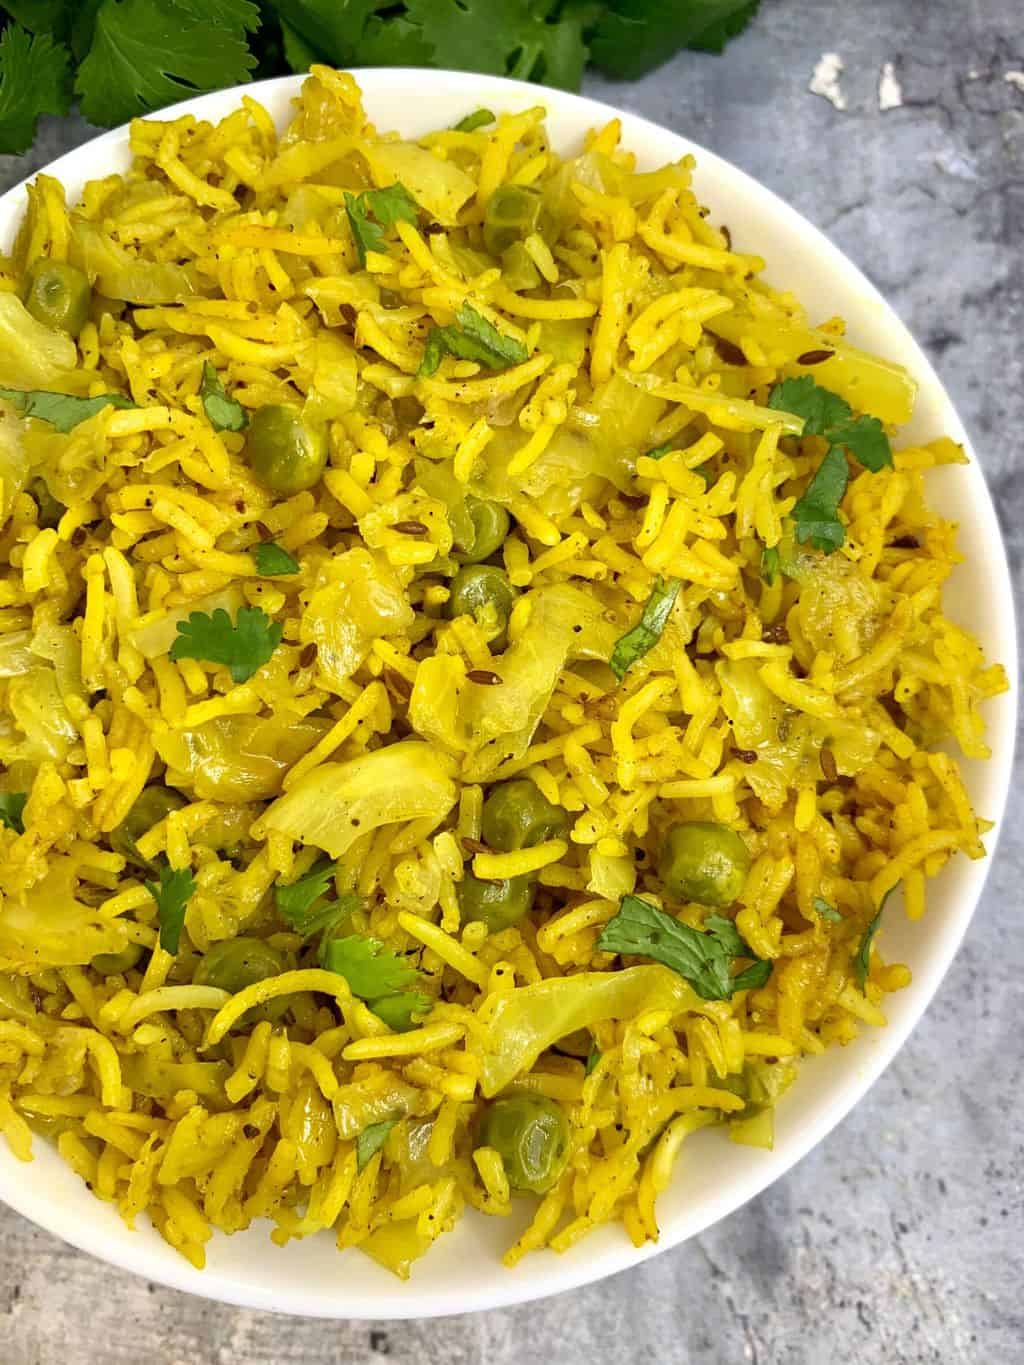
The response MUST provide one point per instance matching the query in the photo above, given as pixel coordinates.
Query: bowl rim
(548, 1276)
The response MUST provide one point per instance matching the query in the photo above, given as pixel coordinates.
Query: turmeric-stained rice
(467, 692)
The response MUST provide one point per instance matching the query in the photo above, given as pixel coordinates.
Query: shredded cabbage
(440, 187)
(46, 926)
(33, 356)
(119, 275)
(523, 1022)
(336, 803)
(237, 758)
(359, 599)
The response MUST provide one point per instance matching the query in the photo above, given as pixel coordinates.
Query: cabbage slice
(336, 803)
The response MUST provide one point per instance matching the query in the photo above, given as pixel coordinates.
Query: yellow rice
(645, 330)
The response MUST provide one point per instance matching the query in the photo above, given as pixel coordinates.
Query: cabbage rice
(453, 744)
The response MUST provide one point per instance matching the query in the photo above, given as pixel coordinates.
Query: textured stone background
(900, 1238)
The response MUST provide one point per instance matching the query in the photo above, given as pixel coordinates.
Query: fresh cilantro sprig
(372, 211)
(648, 630)
(303, 905)
(827, 414)
(472, 337)
(225, 413)
(371, 1140)
(272, 561)
(136, 56)
(378, 976)
(704, 958)
(62, 410)
(172, 894)
(243, 645)
(12, 809)
(862, 957)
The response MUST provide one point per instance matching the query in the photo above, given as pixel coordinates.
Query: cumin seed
(409, 528)
(486, 677)
(814, 357)
(827, 759)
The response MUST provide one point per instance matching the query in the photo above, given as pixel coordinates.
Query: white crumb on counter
(890, 92)
(825, 81)
(1016, 79)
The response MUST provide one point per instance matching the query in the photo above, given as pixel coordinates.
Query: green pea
(116, 964)
(286, 453)
(704, 862)
(517, 815)
(50, 510)
(151, 806)
(513, 212)
(531, 1135)
(483, 592)
(498, 904)
(240, 962)
(58, 296)
(490, 527)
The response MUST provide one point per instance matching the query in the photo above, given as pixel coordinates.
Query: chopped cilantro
(302, 906)
(593, 1057)
(770, 564)
(378, 976)
(647, 631)
(862, 957)
(479, 118)
(371, 1140)
(828, 912)
(62, 410)
(271, 560)
(659, 452)
(471, 338)
(225, 414)
(703, 958)
(827, 414)
(144, 54)
(171, 894)
(34, 79)
(243, 645)
(12, 808)
(816, 515)
(387, 206)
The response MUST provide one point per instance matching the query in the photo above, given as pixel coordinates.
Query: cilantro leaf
(473, 337)
(302, 906)
(865, 439)
(271, 560)
(12, 807)
(62, 410)
(172, 894)
(328, 30)
(820, 408)
(647, 631)
(717, 34)
(388, 206)
(148, 53)
(34, 79)
(770, 561)
(816, 515)
(827, 912)
(659, 452)
(634, 36)
(371, 1140)
(370, 969)
(243, 646)
(225, 414)
(703, 959)
(479, 118)
(862, 957)
(397, 1010)
(299, 55)
(517, 38)
(593, 1057)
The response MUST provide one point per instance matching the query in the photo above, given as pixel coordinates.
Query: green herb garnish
(12, 808)
(224, 412)
(479, 118)
(862, 957)
(471, 338)
(822, 908)
(62, 410)
(647, 632)
(302, 904)
(378, 976)
(372, 211)
(816, 515)
(171, 894)
(243, 645)
(35, 79)
(593, 1057)
(371, 1140)
(271, 560)
(633, 36)
(702, 958)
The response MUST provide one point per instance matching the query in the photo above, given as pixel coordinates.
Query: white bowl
(462, 1272)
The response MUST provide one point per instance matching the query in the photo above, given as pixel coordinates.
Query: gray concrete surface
(900, 1239)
